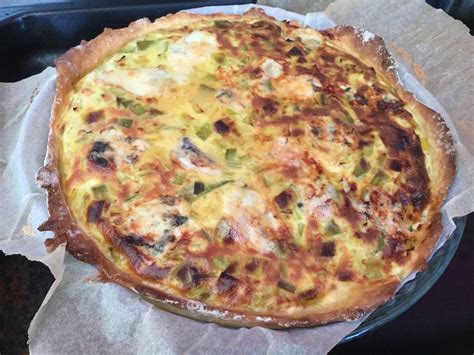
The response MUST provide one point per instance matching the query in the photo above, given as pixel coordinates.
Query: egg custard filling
(250, 167)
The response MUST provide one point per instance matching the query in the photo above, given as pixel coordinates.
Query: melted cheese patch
(190, 51)
(143, 81)
(247, 207)
(299, 86)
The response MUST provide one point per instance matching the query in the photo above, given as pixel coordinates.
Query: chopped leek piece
(117, 91)
(347, 119)
(219, 57)
(132, 197)
(129, 48)
(113, 254)
(379, 179)
(99, 192)
(381, 159)
(380, 244)
(372, 271)
(137, 109)
(361, 168)
(122, 102)
(205, 87)
(163, 47)
(338, 196)
(222, 24)
(230, 154)
(199, 189)
(301, 227)
(220, 262)
(322, 99)
(179, 178)
(332, 228)
(368, 150)
(142, 45)
(125, 122)
(214, 186)
(230, 112)
(204, 131)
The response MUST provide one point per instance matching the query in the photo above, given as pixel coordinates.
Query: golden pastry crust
(79, 61)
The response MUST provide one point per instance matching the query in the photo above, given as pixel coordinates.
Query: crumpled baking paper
(82, 316)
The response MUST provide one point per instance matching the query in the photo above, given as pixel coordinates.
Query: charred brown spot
(95, 154)
(416, 150)
(361, 100)
(255, 72)
(252, 265)
(94, 116)
(160, 245)
(394, 248)
(168, 200)
(315, 131)
(175, 219)
(347, 210)
(403, 198)
(395, 106)
(154, 271)
(331, 89)
(226, 283)
(94, 211)
(301, 60)
(328, 249)
(230, 236)
(345, 275)
(301, 70)
(268, 106)
(419, 199)
(297, 132)
(308, 295)
(395, 165)
(369, 236)
(98, 160)
(198, 187)
(286, 286)
(401, 142)
(286, 247)
(221, 127)
(133, 239)
(283, 199)
(190, 276)
(327, 57)
(295, 51)
(154, 111)
(267, 26)
(99, 147)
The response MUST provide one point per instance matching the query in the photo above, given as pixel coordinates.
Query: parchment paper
(88, 317)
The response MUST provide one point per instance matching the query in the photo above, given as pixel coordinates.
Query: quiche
(244, 171)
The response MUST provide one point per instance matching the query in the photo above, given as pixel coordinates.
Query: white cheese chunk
(190, 51)
(142, 81)
(271, 68)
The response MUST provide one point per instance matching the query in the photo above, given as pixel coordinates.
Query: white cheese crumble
(271, 68)
(192, 50)
(245, 207)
